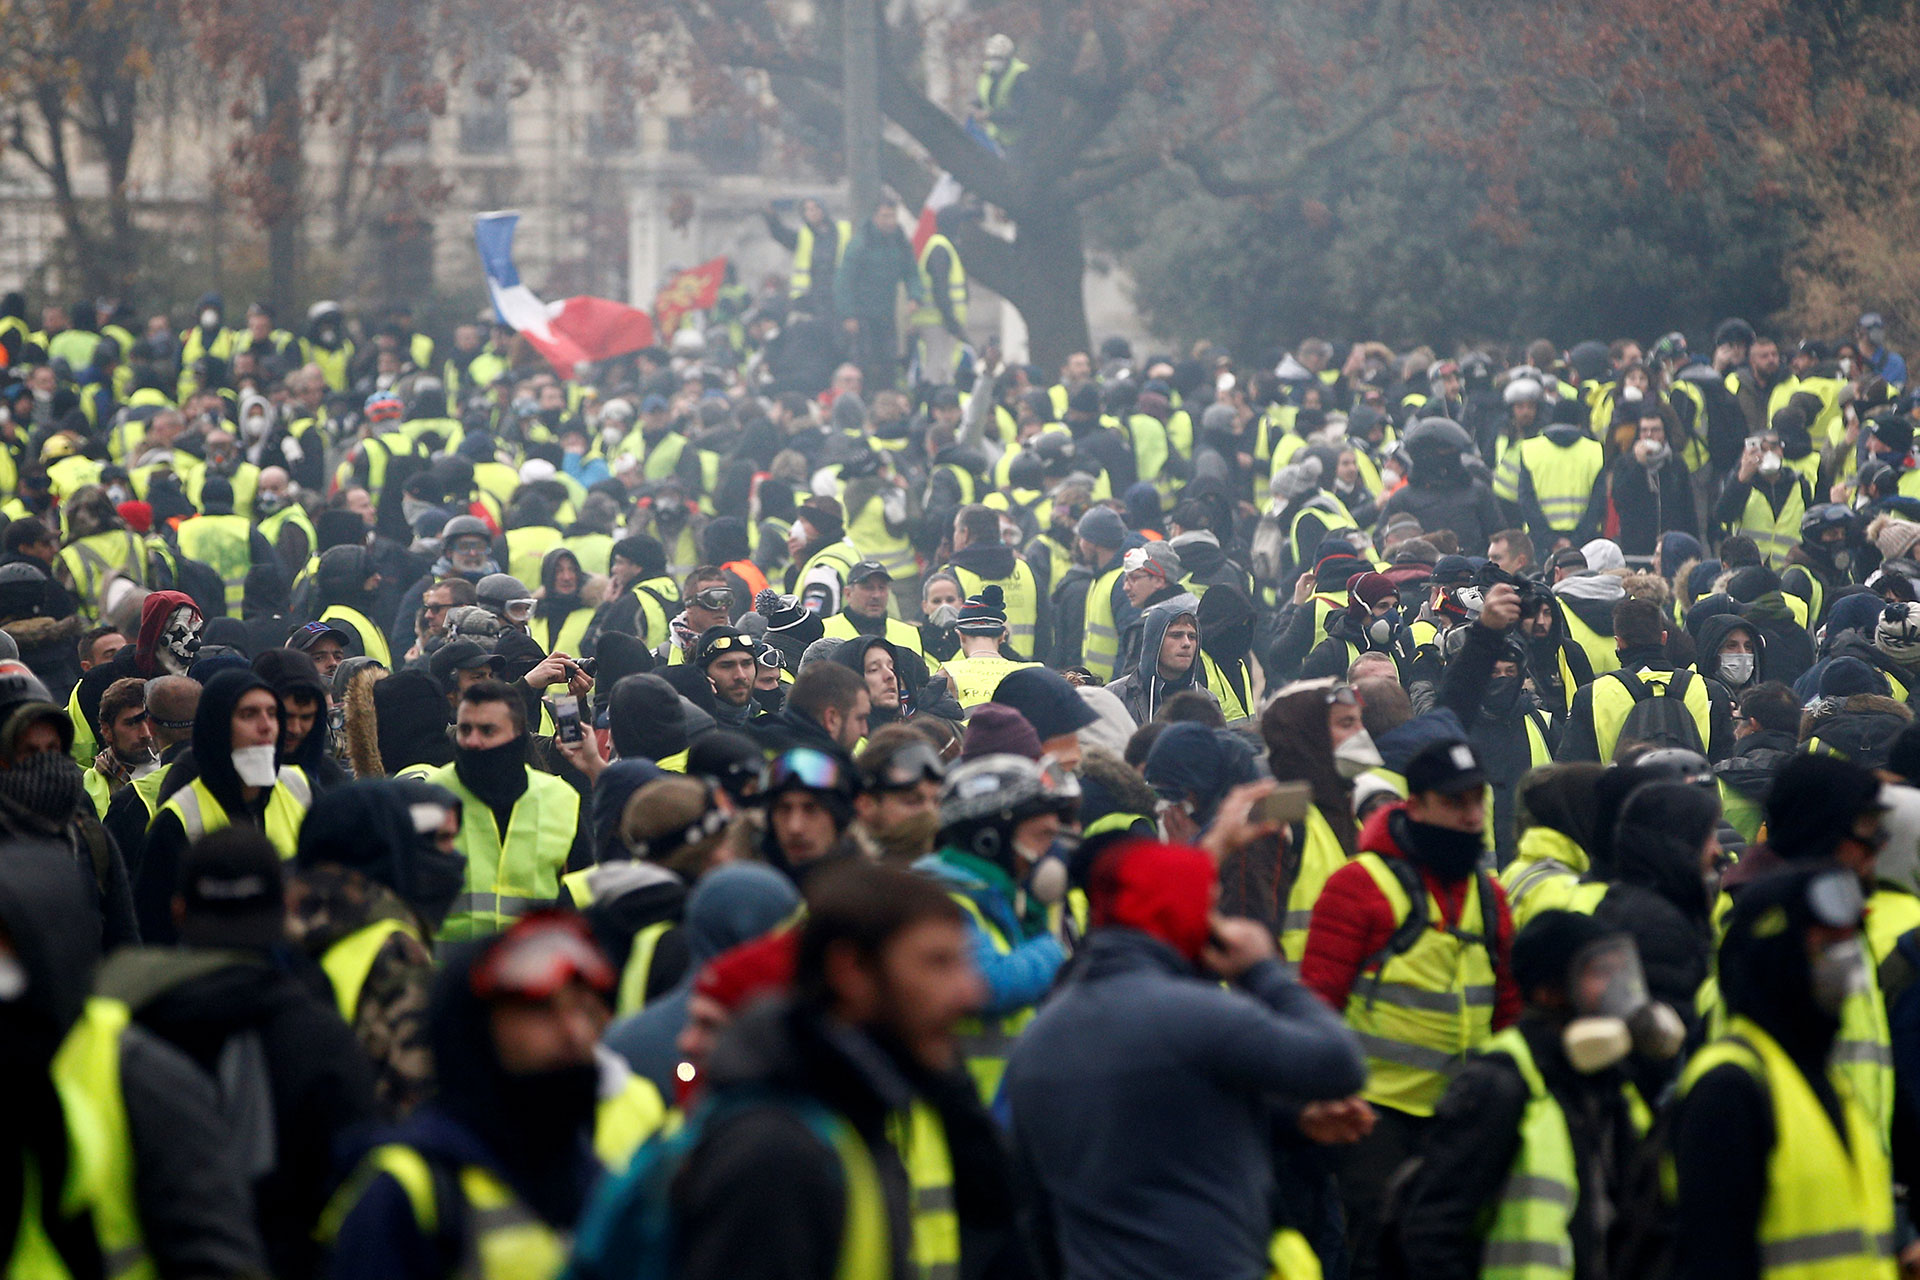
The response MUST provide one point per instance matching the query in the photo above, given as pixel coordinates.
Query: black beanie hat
(1544, 950)
(1813, 803)
(825, 520)
(724, 539)
(646, 718)
(645, 551)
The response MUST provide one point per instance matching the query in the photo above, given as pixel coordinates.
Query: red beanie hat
(1164, 890)
(138, 515)
(763, 966)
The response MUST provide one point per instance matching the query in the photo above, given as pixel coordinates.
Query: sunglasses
(540, 954)
(714, 598)
(804, 767)
(915, 763)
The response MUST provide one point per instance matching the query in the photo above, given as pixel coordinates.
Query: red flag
(694, 289)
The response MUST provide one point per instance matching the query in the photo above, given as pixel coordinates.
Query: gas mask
(1736, 668)
(209, 319)
(268, 501)
(1770, 464)
(1613, 1016)
(1047, 882)
(944, 616)
(1356, 755)
(1469, 598)
(1838, 973)
(1381, 630)
(179, 640)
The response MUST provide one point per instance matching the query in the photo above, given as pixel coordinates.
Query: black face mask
(1503, 695)
(498, 775)
(435, 881)
(47, 785)
(553, 1108)
(1449, 854)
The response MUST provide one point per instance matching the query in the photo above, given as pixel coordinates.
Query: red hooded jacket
(1352, 920)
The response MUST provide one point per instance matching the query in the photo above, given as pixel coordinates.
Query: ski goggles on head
(915, 763)
(538, 955)
(714, 598)
(520, 610)
(806, 768)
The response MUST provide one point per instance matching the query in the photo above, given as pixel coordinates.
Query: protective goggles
(915, 763)
(714, 598)
(520, 610)
(726, 644)
(804, 767)
(705, 827)
(1343, 695)
(540, 954)
(770, 657)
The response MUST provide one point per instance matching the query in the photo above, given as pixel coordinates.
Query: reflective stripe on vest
(224, 543)
(1022, 595)
(1775, 534)
(921, 1141)
(1421, 1011)
(373, 642)
(1100, 634)
(1827, 1212)
(100, 1172)
(287, 804)
(1530, 1237)
(506, 878)
(348, 961)
(1320, 856)
(986, 1040)
(90, 559)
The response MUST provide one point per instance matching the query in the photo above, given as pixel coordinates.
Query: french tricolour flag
(568, 333)
(946, 191)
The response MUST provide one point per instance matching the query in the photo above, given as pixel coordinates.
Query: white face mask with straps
(1356, 755)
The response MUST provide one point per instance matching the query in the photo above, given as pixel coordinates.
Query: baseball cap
(305, 637)
(868, 569)
(1447, 767)
(461, 655)
(234, 891)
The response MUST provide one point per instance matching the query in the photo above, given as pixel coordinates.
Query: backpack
(1659, 720)
(629, 1230)
(1417, 920)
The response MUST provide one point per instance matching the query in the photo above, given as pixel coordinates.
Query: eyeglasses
(714, 598)
(539, 955)
(805, 767)
(912, 764)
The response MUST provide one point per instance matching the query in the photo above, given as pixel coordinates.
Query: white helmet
(1000, 46)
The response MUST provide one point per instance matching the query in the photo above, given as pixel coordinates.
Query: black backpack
(1417, 920)
(1659, 719)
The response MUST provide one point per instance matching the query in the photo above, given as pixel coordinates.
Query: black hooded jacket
(190, 1193)
(210, 762)
(228, 1011)
(917, 695)
(291, 673)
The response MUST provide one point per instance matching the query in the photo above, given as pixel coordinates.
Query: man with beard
(728, 657)
(881, 982)
(898, 807)
(166, 644)
(869, 587)
(1410, 940)
(234, 779)
(127, 1125)
(501, 1162)
(127, 736)
(520, 829)
(42, 798)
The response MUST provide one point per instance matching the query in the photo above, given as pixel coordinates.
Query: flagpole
(860, 98)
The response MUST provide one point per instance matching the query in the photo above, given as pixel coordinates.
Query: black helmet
(1827, 515)
(1436, 436)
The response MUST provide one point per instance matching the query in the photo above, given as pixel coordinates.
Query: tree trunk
(282, 199)
(120, 259)
(1043, 274)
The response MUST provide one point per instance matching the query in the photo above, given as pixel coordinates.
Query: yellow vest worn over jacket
(1827, 1213)
(98, 1188)
(1100, 633)
(225, 544)
(91, 559)
(899, 634)
(1775, 533)
(1545, 868)
(349, 961)
(975, 678)
(1563, 479)
(1320, 856)
(1530, 1237)
(373, 641)
(509, 875)
(800, 281)
(527, 546)
(1419, 1010)
(1613, 699)
(986, 1040)
(201, 814)
(955, 285)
